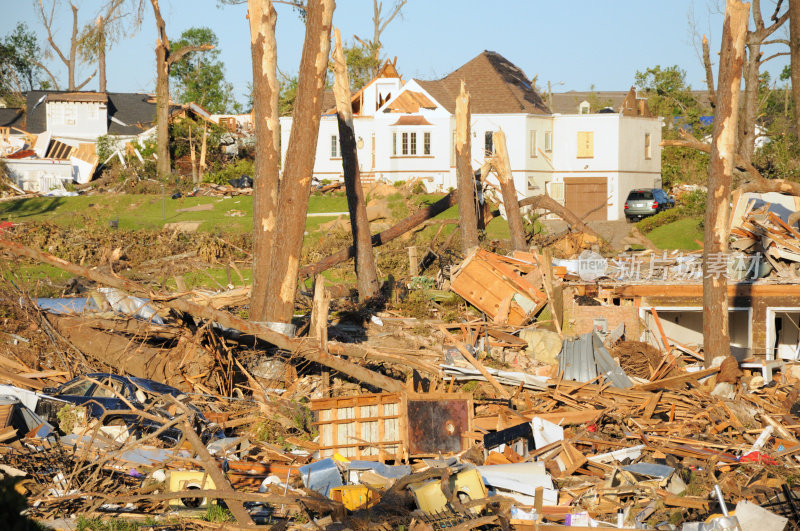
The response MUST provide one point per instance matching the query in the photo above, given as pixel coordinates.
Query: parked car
(102, 392)
(643, 202)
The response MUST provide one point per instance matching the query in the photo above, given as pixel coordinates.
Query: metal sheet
(435, 426)
(321, 476)
(608, 366)
(576, 360)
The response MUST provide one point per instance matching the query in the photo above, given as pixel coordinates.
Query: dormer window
(584, 107)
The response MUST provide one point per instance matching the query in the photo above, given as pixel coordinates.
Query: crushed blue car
(100, 393)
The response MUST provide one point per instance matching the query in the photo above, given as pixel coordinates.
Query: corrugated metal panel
(583, 358)
(608, 366)
(576, 360)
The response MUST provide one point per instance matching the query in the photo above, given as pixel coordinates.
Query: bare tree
(365, 260)
(468, 218)
(754, 40)
(165, 58)
(712, 98)
(716, 335)
(70, 60)
(97, 37)
(299, 165)
(794, 49)
(266, 88)
(379, 23)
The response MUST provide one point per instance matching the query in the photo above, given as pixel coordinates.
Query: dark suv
(643, 202)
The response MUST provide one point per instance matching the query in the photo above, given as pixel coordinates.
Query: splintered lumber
(475, 363)
(676, 380)
(302, 348)
(487, 280)
(412, 221)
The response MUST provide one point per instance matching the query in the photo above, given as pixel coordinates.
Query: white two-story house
(406, 131)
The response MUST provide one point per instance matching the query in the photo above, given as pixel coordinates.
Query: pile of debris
(768, 232)
(497, 421)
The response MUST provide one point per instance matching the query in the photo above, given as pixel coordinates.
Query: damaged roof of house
(129, 113)
(495, 85)
(11, 116)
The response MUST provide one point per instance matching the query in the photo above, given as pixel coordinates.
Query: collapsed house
(52, 141)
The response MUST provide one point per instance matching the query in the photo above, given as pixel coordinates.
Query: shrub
(230, 171)
(690, 204)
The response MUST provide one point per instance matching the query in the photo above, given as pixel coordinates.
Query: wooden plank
(676, 380)
(16, 379)
(650, 407)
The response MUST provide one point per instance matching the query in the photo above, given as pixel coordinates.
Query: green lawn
(144, 212)
(229, 214)
(679, 234)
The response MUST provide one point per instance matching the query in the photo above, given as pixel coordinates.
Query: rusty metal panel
(437, 425)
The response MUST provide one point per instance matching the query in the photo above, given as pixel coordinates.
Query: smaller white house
(599, 158)
(79, 116)
(404, 131)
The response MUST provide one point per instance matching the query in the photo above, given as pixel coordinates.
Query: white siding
(77, 120)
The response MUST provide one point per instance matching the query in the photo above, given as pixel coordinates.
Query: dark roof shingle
(12, 117)
(495, 85)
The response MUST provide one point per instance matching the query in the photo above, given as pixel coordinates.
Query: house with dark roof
(83, 116)
(407, 131)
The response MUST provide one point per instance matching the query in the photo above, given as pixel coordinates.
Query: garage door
(587, 197)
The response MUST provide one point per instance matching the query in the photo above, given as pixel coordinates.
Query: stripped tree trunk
(203, 153)
(720, 172)
(365, 260)
(163, 166)
(794, 47)
(266, 168)
(749, 108)
(164, 59)
(468, 218)
(503, 167)
(712, 98)
(101, 52)
(299, 164)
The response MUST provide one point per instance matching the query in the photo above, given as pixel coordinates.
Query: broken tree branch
(712, 97)
(548, 203)
(417, 218)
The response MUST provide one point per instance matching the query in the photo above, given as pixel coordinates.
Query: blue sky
(574, 44)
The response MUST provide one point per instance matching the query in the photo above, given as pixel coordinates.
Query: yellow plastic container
(178, 480)
(354, 497)
(468, 485)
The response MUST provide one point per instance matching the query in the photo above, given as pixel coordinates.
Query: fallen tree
(546, 202)
(417, 218)
(135, 358)
(300, 347)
